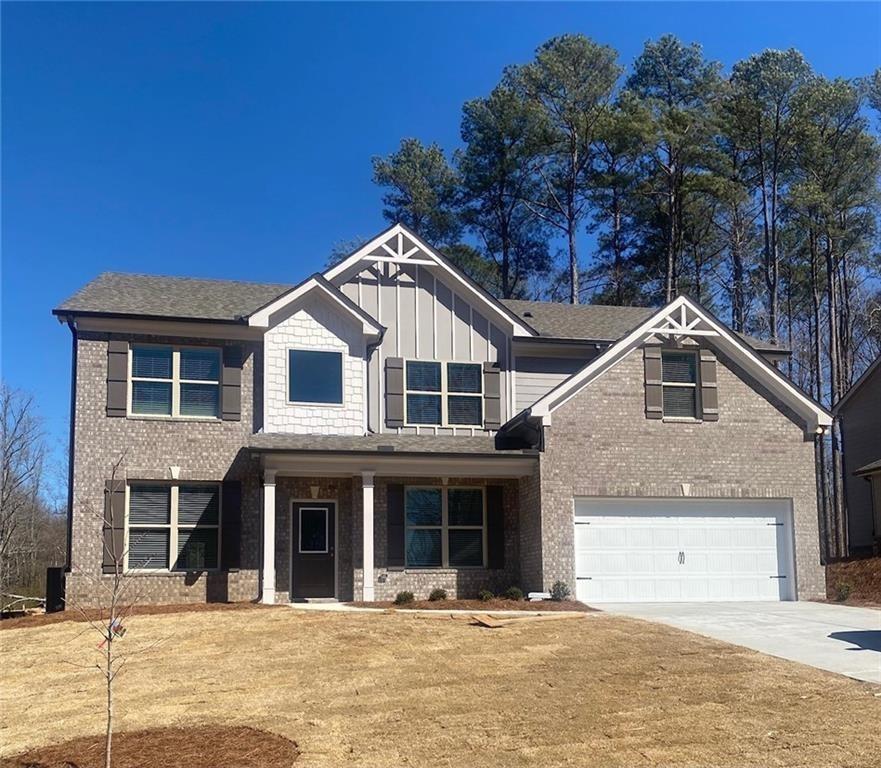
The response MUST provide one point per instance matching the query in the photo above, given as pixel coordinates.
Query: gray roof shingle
(869, 469)
(390, 443)
(118, 293)
(595, 322)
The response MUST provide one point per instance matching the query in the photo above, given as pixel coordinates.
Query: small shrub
(402, 598)
(843, 590)
(513, 593)
(437, 594)
(559, 591)
(485, 595)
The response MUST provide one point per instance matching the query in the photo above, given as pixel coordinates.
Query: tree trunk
(573, 265)
(834, 396)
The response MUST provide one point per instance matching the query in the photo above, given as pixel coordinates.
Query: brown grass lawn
(396, 689)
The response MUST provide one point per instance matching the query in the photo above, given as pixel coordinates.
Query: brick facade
(600, 443)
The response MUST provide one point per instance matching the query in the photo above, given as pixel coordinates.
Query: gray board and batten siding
(424, 319)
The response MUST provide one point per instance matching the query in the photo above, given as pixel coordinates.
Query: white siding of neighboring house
(425, 319)
(314, 324)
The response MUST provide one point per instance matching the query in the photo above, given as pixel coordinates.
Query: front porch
(365, 525)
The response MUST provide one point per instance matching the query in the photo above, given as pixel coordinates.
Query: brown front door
(313, 566)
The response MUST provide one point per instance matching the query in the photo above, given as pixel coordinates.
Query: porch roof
(390, 455)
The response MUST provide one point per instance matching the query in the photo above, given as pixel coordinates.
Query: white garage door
(681, 550)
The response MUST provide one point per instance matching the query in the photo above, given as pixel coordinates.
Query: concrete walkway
(837, 638)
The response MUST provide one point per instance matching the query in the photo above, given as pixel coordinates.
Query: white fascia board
(363, 254)
(261, 317)
(815, 415)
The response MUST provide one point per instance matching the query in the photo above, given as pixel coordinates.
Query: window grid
(689, 385)
(175, 381)
(445, 526)
(172, 526)
(444, 394)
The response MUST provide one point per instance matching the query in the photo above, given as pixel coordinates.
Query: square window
(148, 549)
(679, 367)
(680, 402)
(423, 506)
(466, 547)
(149, 505)
(152, 398)
(466, 410)
(197, 549)
(423, 409)
(423, 376)
(465, 506)
(464, 377)
(200, 365)
(424, 547)
(200, 400)
(151, 362)
(315, 377)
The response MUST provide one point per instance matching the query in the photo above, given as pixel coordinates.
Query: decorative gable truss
(685, 322)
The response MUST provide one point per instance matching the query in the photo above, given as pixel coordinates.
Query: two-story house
(388, 425)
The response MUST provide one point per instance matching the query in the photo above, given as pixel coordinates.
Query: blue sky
(234, 141)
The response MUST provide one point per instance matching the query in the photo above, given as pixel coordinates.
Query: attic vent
(527, 314)
(385, 448)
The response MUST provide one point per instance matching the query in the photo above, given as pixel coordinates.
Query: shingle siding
(601, 444)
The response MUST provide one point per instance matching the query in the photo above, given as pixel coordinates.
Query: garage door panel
(682, 550)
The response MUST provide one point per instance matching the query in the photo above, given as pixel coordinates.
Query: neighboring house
(387, 425)
(859, 414)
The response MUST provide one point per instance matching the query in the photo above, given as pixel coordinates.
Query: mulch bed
(862, 575)
(40, 619)
(483, 606)
(199, 747)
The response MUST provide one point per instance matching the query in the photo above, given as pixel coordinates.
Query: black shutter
(231, 395)
(231, 525)
(495, 526)
(492, 396)
(114, 525)
(117, 378)
(394, 553)
(394, 392)
(709, 392)
(654, 388)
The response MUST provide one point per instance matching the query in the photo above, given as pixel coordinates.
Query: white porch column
(367, 528)
(267, 589)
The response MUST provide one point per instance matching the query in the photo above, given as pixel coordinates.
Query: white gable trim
(684, 317)
(431, 259)
(316, 284)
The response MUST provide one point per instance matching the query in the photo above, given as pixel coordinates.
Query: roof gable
(685, 318)
(398, 245)
(316, 285)
(872, 371)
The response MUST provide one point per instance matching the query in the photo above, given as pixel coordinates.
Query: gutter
(71, 323)
(66, 314)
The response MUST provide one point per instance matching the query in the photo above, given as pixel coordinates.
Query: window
(445, 394)
(444, 527)
(313, 529)
(679, 379)
(315, 377)
(183, 520)
(175, 381)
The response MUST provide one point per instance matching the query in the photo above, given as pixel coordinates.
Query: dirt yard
(860, 579)
(395, 689)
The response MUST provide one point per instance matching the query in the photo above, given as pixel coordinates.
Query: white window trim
(444, 394)
(175, 382)
(307, 403)
(300, 549)
(445, 527)
(695, 385)
(172, 526)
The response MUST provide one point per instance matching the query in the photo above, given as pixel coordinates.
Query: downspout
(71, 323)
(369, 349)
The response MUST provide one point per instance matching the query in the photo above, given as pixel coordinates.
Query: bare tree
(23, 452)
(118, 594)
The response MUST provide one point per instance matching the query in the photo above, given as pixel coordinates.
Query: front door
(313, 562)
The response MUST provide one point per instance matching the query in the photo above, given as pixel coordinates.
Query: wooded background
(754, 191)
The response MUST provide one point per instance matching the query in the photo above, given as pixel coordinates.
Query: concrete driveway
(837, 638)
